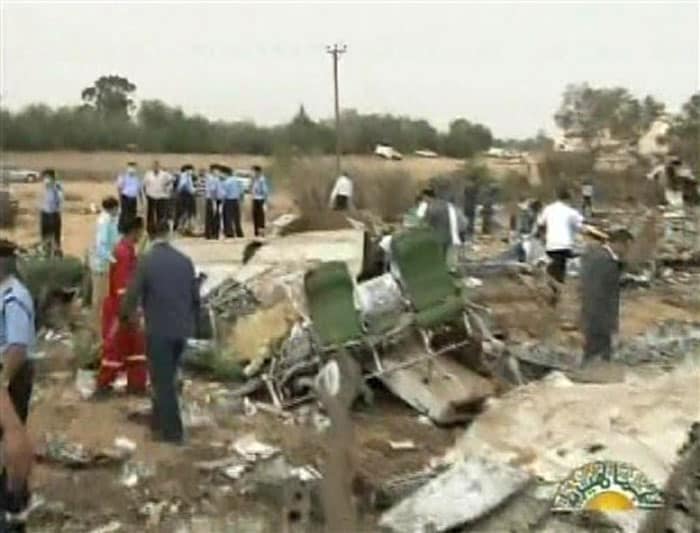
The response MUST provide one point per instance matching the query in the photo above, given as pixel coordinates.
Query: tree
(588, 112)
(464, 139)
(685, 132)
(110, 96)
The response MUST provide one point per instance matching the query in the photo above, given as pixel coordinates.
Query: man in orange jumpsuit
(123, 344)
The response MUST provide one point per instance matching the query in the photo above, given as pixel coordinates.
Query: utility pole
(336, 51)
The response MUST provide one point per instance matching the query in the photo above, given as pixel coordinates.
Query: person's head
(8, 266)
(156, 165)
(536, 206)
(110, 205)
(563, 194)
(213, 168)
(161, 230)
(49, 175)
(225, 171)
(131, 167)
(428, 194)
(133, 228)
(620, 239)
(187, 168)
(257, 170)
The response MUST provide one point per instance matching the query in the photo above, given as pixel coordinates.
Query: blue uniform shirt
(185, 184)
(232, 188)
(213, 188)
(53, 198)
(129, 184)
(16, 316)
(260, 191)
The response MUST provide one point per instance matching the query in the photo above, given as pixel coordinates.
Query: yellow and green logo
(607, 486)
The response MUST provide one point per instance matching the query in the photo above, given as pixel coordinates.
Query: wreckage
(414, 330)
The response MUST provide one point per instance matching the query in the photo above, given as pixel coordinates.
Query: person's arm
(334, 193)
(120, 184)
(134, 293)
(195, 292)
(103, 249)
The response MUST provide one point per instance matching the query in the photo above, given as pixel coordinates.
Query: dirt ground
(93, 497)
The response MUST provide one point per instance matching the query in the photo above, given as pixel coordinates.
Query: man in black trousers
(166, 288)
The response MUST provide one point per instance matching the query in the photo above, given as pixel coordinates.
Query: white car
(388, 152)
(13, 174)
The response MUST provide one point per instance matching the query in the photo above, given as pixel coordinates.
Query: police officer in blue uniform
(17, 338)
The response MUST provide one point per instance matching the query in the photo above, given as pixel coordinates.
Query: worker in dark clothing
(601, 269)
(166, 288)
(471, 198)
(213, 192)
(487, 211)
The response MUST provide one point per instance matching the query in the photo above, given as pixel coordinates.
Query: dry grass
(105, 165)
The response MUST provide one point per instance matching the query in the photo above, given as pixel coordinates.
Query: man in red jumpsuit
(123, 344)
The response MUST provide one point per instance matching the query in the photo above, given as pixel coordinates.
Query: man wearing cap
(212, 208)
(260, 192)
(601, 269)
(17, 338)
(51, 207)
(166, 288)
(130, 189)
(233, 195)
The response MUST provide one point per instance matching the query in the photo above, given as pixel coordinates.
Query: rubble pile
(230, 300)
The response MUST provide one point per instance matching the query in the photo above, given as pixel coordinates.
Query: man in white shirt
(561, 223)
(341, 196)
(157, 184)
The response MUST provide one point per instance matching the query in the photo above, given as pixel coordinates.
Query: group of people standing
(172, 198)
(224, 194)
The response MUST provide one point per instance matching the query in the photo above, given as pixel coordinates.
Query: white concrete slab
(467, 491)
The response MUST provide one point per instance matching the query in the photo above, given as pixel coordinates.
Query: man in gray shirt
(166, 288)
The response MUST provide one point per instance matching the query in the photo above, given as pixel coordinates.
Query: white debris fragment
(252, 449)
(462, 494)
(234, 472)
(111, 527)
(85, 383)
(305, 473)
(402, 445)
(124, 444)
(473, 283)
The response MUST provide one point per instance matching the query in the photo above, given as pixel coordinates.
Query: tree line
(108, 119)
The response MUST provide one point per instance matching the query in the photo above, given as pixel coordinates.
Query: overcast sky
(504, 65)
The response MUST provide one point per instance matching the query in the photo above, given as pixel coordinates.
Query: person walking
(260, 194)
(130, 189)
(50, 224)
(601, 269)
(231, 210)
(561, 224)
(123, 344)
(166, 288)
(17, 341)
(342, 193)
(106, 238)
(212, 195)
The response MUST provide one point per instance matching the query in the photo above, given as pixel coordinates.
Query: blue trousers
(164, 356)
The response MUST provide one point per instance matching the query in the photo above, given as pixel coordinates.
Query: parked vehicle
(388, 152)
(14, 174)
